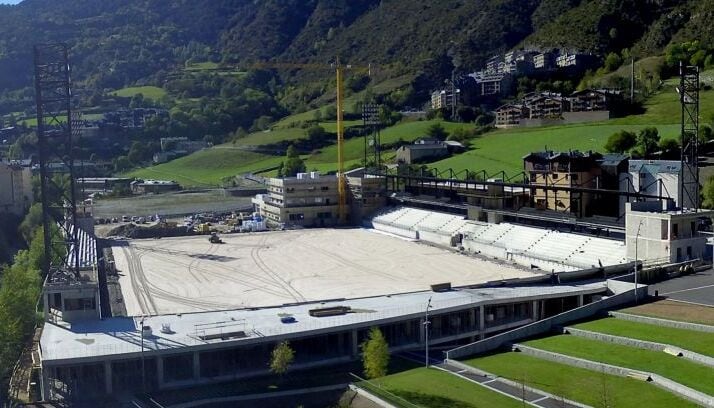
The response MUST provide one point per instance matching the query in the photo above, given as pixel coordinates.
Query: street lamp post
(639, 227)
(426, 333)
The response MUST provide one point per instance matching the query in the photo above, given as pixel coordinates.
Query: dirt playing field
(187, 274)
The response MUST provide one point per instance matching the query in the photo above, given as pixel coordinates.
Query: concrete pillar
(472, 318)
(354, 343)
(108, 377)
(534, 312)
(481, 321)
(580, 300)
(196, 365)
(160, 371)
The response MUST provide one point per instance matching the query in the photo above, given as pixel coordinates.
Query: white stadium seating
(530, 246)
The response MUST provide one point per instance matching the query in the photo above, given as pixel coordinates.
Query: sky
(9, 1)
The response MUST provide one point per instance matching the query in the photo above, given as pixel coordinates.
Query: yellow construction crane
(339, 72)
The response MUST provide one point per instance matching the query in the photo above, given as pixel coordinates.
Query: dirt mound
(153, 231)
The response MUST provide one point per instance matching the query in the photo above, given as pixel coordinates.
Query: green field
(207, 167)
(432, 388)
(503, 150)
(585, 386)
(354, 148)
(698, 342)
(150, 92)
(696, 376)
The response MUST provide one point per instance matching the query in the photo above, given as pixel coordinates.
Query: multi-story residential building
(589, 100)
(15, 188)
(510, 115)
(563, 169)
(546, 106)
(444, 98)
(544, 61)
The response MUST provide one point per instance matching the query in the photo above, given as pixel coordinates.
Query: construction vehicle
(215, 239)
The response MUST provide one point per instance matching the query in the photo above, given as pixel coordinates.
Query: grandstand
(528, 246)
(87, 252)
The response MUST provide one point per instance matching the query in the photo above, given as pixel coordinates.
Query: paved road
(696, 288)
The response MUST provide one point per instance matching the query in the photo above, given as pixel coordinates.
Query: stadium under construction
(426, 257)
(192, 312)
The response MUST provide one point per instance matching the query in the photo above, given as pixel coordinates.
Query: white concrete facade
(654, 235)
(15, 188)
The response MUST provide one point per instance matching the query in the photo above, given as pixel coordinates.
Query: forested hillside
(116, 43)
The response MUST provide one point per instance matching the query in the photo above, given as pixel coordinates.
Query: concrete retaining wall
(663, 322)
(391, 229)
(662, 382)
(436, 238)
(545, 325)
(648, 345)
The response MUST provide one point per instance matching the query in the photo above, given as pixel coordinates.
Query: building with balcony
(310, 200)
(566, 170)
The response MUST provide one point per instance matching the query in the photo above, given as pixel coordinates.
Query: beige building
(309, 200)
(312, 200)
(15, 188)
(563, 169)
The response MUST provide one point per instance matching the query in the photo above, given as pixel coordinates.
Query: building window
(675, 231)
(296, 217)
(324, 188)
(555, 176)
(324, 215)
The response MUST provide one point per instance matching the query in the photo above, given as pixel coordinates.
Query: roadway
(697, 288)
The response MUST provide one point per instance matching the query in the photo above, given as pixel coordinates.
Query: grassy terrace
(432, 388)
(691, 340)
(585, 386)
(667, 309)
(696, 376)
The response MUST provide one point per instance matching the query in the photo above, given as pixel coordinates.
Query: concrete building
(310, 200)
(128, 354)
(15, 188)
(563, 169)
(659, 234)
(544, 61)
(414, 153)
(444, 98)
(589, 100)
(153, 186)
(658, 177)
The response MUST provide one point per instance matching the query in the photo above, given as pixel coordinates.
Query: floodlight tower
(689, 99)
(55, 123)
(371, 121)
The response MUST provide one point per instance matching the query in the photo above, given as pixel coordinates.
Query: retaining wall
(545, 325)
(664, 322)
(643, 344)
(662, 382)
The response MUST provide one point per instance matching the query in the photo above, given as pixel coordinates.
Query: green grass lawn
(698, 342)
(151, 92)
(696, 376)
(207, 167)
(270, 137)
(585, 386)
(202, 66)
(503, 150)
(354, 148)
(432, 388)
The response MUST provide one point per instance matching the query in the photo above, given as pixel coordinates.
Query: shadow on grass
(431, 401)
